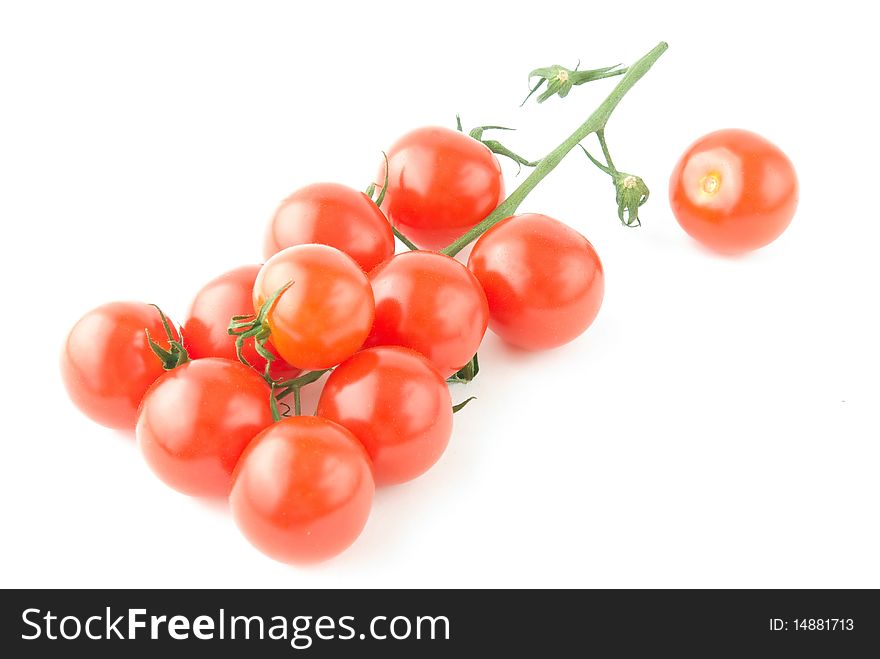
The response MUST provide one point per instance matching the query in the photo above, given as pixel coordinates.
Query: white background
(717, 426)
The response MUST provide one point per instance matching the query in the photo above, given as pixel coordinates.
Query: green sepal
(467, 373)
(173, 357)
(631, 194)
(461, 405)
(560, 80)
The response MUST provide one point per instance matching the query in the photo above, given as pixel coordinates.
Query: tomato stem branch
(406, 241)
(594, 123)
(371, 190)
(283, 388)
(605, 152)
(297, 402)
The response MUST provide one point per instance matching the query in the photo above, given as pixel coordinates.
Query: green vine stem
(283, 388)
(286, 387)
(371, 190)
(594, 123)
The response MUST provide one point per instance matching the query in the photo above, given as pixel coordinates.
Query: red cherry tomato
(441, 183)
(325, 315)
(196, 420)
(430, 303)
(733, 191)
(335, 215)
(302, 490)
(543, 280)
(107, 364)
(397, 404)
(205, 329)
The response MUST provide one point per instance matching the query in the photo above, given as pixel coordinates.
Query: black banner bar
(423, 623)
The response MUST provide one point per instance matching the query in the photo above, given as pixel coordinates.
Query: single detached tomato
(441, 183)
(302, 490)
(205, 328)
(196, 420)
(335, 215)
(397, 404)
(107, 364)
(325, 315)
(430, 303)
(733, 191)
(543, 280)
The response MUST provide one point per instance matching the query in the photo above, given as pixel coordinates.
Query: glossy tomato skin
(543, 280)
(733, 191)
(107, 364)
(325, 315)
(441, 183)
(195, 421)
(398, 406)
(205, 328)
(302, 490)
(432, 304)
(335, 215)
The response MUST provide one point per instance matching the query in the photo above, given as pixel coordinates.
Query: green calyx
(176, 354)
(560, 80)
(464, 375)
(256, 327)
(631, 191)
(462, 404)
(467, 373)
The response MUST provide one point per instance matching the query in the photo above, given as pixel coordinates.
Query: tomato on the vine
(302, 490)
(397, 404)
(441, 183)
(733, 191)
(195, 421)
(205, 328)
(327, 312)
(107, 363)
(430, 303)
(543, 280)
(335, 215)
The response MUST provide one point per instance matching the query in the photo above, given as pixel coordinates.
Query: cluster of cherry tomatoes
(332, 294)
(215, 403)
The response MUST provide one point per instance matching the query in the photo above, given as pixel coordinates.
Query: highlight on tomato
(441, 183)
(205, 330)
(195, 421)
(432, 304)
(107, 363)
(325, 314)
(733, 191)
(398, 406)
(302, 490)
(543, 280)
(335, 215)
